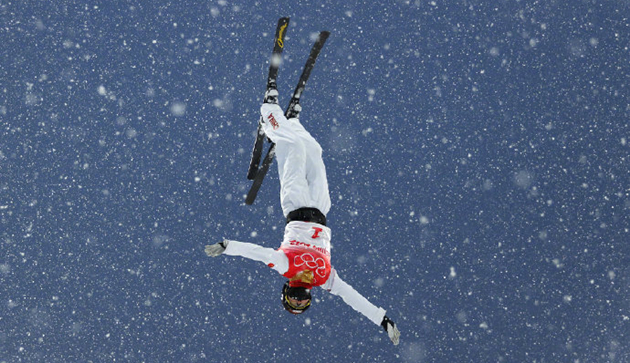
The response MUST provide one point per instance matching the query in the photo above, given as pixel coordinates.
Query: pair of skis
(258, 170)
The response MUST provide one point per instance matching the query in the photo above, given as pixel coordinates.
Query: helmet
(295, 293)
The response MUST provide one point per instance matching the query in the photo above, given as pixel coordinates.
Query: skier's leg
(294, 188)
(291, 158)
(318, 194)
(316, 175)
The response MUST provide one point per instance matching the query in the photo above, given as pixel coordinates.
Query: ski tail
(306, 73)
(291, 111)
(274, 64)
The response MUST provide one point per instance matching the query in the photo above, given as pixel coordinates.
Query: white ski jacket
(310, 237)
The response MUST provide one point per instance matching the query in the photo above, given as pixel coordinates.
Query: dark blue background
(476, 150)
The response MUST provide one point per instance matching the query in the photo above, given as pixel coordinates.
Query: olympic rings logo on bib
(318, 265)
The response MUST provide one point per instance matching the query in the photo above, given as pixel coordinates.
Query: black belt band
(307, 215)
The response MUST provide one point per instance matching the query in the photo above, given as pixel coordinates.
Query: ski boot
(271, 96)
(294, 112)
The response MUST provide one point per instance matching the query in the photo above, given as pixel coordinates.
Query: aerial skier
(304, 254)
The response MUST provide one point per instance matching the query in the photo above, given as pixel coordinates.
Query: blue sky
(477, 158)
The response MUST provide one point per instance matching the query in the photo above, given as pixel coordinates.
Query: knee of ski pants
(290, 148)
(314, 146)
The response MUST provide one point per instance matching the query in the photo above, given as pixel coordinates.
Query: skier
(304, 254)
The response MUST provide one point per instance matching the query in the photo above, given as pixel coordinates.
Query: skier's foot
(295, 111)
(271, 96)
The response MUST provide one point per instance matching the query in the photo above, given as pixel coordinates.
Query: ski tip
(322, 37)
(283, 21)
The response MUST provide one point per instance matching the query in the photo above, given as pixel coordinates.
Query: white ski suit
(303, 183)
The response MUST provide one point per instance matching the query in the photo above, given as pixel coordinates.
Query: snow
(476, 154)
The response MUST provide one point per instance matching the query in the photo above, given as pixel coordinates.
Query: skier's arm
(277, 260)
(358, 302)
(338, 287)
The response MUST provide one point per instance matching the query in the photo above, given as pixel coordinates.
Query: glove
(392, 331)
(216, 249)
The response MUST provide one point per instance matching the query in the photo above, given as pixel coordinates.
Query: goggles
(303, 307)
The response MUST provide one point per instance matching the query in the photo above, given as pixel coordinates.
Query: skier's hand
(392, 331)
(216, 249)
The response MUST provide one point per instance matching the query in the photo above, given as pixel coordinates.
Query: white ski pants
(301, 169)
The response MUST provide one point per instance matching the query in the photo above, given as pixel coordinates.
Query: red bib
(303, 258)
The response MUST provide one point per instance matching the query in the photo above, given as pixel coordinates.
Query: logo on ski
(273, 122)
(281, 36)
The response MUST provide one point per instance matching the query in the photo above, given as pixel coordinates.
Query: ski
(274, 63)
(262, 171)
(293, 109)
